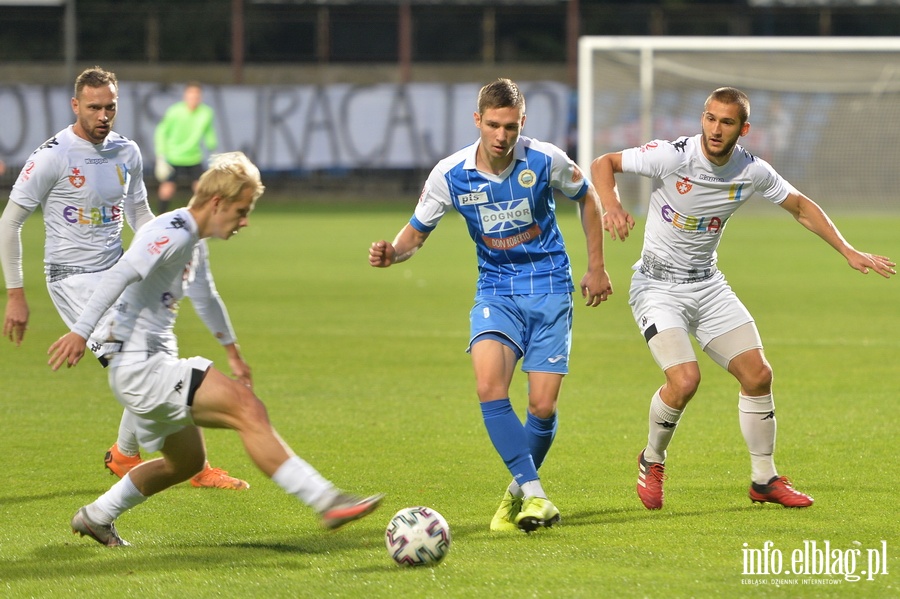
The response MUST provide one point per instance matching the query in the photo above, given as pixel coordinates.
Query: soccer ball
(417, 536)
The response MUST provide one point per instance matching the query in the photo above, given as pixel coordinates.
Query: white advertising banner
(297, 127)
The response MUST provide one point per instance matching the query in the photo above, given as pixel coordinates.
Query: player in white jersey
(88, 180)
(677, 291)
(171, 397)
(503, 185)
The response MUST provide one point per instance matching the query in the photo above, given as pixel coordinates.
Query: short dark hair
(95, 77)
(502, 93)
(732, 95)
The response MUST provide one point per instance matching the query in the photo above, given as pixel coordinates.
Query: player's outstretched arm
(864, 262)
(810, 215)
(408, 241)
(616, 219)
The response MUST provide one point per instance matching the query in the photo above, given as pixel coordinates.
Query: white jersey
(691, 202)
(171, 262)
(85, 191)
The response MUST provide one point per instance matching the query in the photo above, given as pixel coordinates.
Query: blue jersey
(511, 216)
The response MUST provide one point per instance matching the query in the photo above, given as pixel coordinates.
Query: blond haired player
(171, 397)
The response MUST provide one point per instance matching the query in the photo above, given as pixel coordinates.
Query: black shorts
(185, 174)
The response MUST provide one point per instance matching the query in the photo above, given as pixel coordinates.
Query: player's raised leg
(223, 402)
(125, 454)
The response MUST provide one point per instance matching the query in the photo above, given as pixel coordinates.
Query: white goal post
(825, 111)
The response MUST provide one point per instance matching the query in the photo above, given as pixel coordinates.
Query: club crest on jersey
(684, 186)
(527, 178)
(76, 178)
(473, 198)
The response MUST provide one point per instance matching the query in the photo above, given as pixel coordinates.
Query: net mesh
(828, 121)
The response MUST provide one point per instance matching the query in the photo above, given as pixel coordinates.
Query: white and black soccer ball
(417, 536)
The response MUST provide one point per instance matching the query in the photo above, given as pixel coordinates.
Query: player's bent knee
(683, 380)
(255, 410)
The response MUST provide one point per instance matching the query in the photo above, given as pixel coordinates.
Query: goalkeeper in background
(677, 291)
(180, 138)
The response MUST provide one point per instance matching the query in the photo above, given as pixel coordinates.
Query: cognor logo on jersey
(177, 223)
(472, 198)
(707, 224)
(155, 247)
(649, 146)
(505, 216)
(684, 186)
(502, 217)
(92, 216)
(76, 178)
(527, 178)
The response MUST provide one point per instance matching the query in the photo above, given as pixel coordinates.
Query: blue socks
(509, 439)
(540, 433)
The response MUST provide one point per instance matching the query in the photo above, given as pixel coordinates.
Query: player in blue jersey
(677, 290)
(503, 185)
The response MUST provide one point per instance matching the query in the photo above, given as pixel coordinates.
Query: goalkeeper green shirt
(181, 133)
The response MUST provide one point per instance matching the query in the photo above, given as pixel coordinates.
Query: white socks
(662, 422)
(533, 488)
(121, 496)
(757, 416)
(304, 482)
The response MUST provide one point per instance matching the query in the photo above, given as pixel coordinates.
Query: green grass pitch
(365, 375)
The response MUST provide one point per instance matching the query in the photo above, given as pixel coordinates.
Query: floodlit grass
(365, 375)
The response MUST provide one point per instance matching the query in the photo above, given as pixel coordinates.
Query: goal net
(825, 112)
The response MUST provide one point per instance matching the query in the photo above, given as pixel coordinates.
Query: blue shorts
(538, 327)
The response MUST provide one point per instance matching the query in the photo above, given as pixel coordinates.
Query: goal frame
(646, 46)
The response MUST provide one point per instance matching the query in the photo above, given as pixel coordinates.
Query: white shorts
(159, 392)
(707, 309)
(71, 295)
